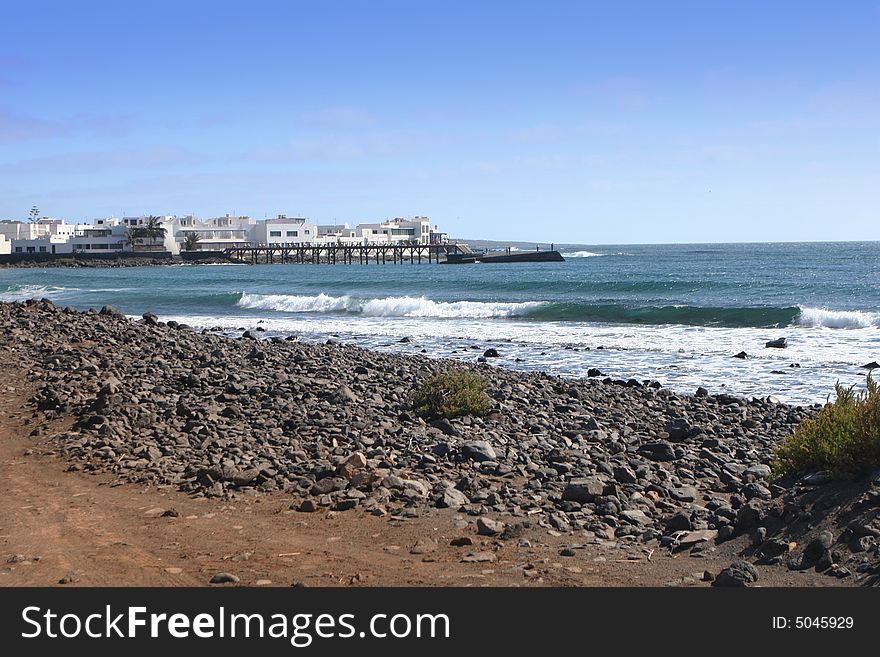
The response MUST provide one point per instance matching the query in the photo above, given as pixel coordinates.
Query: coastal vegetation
(452, 394)
(147, 237)
(191, 242)
(844, 439)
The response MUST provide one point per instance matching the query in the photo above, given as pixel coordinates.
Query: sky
(574, 122)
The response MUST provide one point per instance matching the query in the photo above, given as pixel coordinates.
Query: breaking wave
(612, 313)
(387, 307)
(839, 319)
(21, 292)
(582, 254)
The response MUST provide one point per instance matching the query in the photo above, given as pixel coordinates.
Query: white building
(436, 236)
(213, 234)
(113, 235)
(103, 236)
(44, 236)
(285, 230)
(22, 230)
(46, 244)
(416, 230)
(336, 233)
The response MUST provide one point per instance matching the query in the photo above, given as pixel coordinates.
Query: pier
(345, 254)
(504, 257)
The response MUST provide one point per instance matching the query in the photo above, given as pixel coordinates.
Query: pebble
(489, 527)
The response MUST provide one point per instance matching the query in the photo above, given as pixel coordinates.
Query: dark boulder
(739, 573)
(478, 450)
(583, 490)
(659, 451)
(678, 429)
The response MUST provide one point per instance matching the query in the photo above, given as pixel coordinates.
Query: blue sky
(592, 122)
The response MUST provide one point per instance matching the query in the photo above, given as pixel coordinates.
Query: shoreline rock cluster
(332, 426)
(106, 263)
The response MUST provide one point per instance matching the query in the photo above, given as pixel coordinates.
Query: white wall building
(114, 235)
(47, 244)
(44, 236)
(285, 230)
(416, 230)
(214, 234)
(21, 230)
(103, 236)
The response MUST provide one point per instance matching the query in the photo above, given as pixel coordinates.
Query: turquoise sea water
(673, 313)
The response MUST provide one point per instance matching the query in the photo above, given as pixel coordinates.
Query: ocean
(676, 314)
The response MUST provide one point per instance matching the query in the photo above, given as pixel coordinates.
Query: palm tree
(146, 235)
(154, 230)
(134, 237)
(191, 241)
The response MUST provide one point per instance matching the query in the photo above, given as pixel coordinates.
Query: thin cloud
(340, 117)
(90, 162)
(15, 126)
(18, 126)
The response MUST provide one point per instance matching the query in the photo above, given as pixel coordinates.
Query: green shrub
(843, 439)
(452, 394)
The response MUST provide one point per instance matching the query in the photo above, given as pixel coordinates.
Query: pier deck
(345, 253)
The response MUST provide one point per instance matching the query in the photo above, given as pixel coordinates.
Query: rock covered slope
(332, 425)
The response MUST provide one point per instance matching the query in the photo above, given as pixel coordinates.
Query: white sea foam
(290, 303)
(424, 307)
(386, 307)
(680, 357)
(839, 319)
(583, 254)
(21, 292)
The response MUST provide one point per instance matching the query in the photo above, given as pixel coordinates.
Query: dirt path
(77, 528)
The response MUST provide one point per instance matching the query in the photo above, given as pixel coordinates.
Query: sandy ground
(74, 528)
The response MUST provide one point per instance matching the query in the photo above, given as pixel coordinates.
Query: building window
(18, 249)
(291, 233)
(307, 231)
(42, 249)
(274, 233)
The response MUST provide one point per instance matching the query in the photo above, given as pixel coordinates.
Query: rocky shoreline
(106, 263)
(331, 425)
